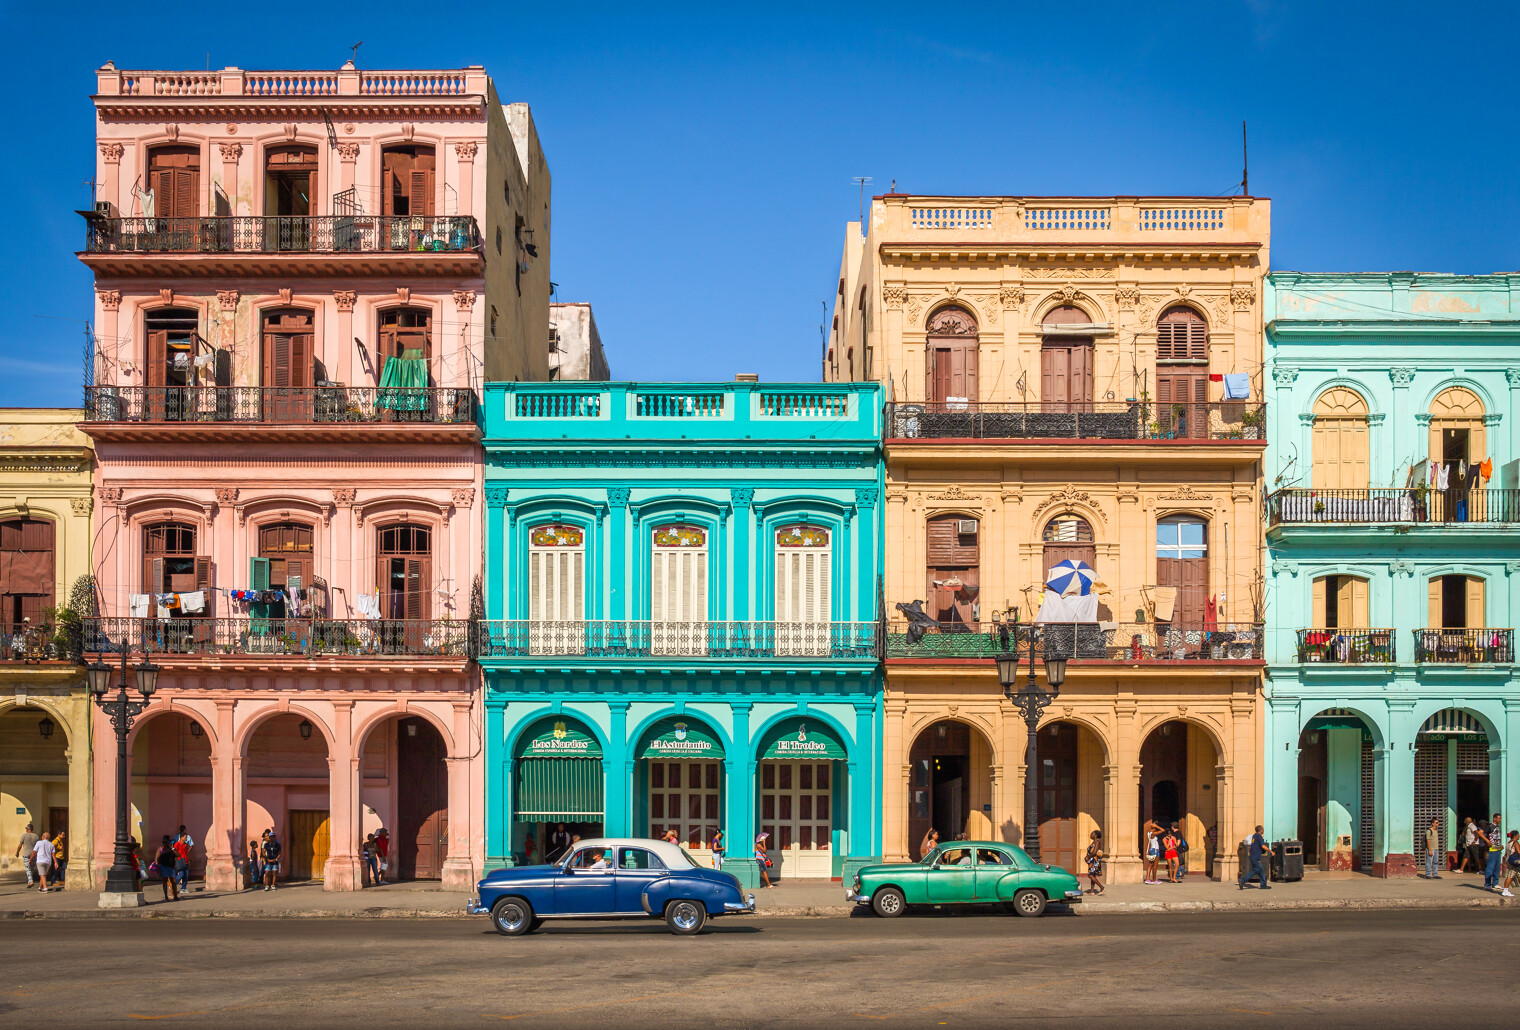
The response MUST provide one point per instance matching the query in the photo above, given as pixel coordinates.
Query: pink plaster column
(104, 815)
(459, 864)
(466, 154)
(341, 354)
(342, 870)
(231, 152)
(349, 152)
(110, 174)
(110, 339)
(224, 841)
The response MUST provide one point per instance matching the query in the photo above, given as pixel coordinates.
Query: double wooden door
(1058, 797)
(423, 815)
(310, 840)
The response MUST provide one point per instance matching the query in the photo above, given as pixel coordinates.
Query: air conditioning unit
(105, 209)
(966, 527)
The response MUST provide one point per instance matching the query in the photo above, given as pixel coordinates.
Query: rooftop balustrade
(735, 641)
(346, 81)
(1036, 220)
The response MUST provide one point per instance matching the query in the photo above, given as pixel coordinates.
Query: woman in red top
(383, 849)
(1169, 846)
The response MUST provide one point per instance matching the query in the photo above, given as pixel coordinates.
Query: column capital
(466, 151)
(231, 151)
(112, 152)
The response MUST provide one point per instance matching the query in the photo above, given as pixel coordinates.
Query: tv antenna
(862, 181)
(1245, 162)
(355, 49)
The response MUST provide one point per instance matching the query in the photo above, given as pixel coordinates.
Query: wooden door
(1058, 797)
(308, 844)
(58, 822)
(423, 812)
(1065, 374)
(174, 174)
(951, 356)
(1182, 403)
(288, 368)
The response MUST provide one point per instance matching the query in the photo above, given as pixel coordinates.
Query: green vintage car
(965, 872)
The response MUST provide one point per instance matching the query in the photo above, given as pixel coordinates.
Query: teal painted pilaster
(496, 551)
(1343, 808)
(499, 793)
(617, 766)
(1280, 775)
(1398, 793)
(744, 551)
(865, 830)
(741, 801)
(617, 576)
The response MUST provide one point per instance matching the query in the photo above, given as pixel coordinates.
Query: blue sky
(702, 156)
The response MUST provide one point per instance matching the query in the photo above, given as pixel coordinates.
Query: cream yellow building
(45, 539)
(1058, 370)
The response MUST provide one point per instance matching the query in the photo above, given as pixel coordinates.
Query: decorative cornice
(43, 463)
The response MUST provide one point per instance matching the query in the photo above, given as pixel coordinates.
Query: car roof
(670, 854)
(944, 844)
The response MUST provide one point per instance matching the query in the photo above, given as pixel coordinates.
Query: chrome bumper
(850, 894)
(740, 907)
(1073, 897)
(475, 908)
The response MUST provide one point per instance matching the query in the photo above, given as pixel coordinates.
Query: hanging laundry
(368, 605)
(137, 606)
(1237, 386)
(1462, 468)
(1486, 470)
(1166, 603)
(1216, 377)
(193, 603)
(1443, 476)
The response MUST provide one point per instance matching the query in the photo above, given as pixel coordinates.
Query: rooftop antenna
(355, 48)
(1245, 161)
(862, 181)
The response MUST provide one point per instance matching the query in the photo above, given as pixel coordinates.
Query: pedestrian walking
(1094, 860)
(1152, 834)
(1472, 851)
(1492, 838)
(383, 852)
(372, 860)
(1169, 851)
(1432, 848)
(762, 859)
(717, 849)
(929, 843)
(559, 843)
(1182, 851)
(671, 837)
(182, 860)
(1257, 850)
(24, 852)
(42, 855)
(1511, 864)
(163, 864)
(255, 865)
(60, 860)
(271, 852)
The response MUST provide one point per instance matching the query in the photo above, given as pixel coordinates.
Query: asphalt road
(1293, 968)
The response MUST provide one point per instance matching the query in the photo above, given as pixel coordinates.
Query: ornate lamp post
(1031, 700)
(121, 890)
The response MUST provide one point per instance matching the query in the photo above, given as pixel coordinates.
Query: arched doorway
(949, 784)
(1179, 784)
(1337, 791)
(171, 784)
(1340, 441)
(803, 797)
(1458, 439)
(1451, 777)
(1066, 362)
(288, 791)
(404, 789)
(34, 782)
(679, 782)
(557, 785)
(1071, 760)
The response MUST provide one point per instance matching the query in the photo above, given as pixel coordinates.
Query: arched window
(174, 176)
(951, 357)
(1456, 602)
(1182, 372)
(1068, 537)
(954, 570)
(1340, 602)
(26, 572)
(407, 181)
(1458, 443)
(1182, 569)
(171, 566)
(803, 603)
(404, 575)
(284, 563)
(1340, 440)
(678, 589)
(172, 345)
(1066, 360)
(290, 183)
(556, 588)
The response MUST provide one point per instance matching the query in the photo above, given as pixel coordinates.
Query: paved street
(1248, 969)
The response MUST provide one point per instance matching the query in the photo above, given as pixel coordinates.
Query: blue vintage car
(611, 879)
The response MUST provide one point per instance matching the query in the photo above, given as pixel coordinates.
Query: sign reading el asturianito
(680, 738)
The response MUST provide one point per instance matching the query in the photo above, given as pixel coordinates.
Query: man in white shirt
(42, 855)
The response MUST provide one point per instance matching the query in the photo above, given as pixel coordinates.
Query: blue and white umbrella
(1064, 575)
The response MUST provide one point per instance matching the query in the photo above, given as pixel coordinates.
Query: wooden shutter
(1055, 374)
(383, 586)
(1319, 616)
(203, 579)
(1080, 384)
(1182, 335)
(1359, 615)
(947, 546)
(417, 582)
(420, 192)
(941, 381)
(1433, 602)
(156, 578)
(157, 358)
(397, 168)
(1476, 616)
(1192, 592)
(301, 361)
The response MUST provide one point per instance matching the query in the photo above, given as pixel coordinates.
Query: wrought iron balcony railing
(322, 405)
(1402, 504)
(283, 234)
(1095, 420)
(307, 638)
(1349, 646)
(595, 639)
(1123, 641)
(35, 642)
(1464, 646)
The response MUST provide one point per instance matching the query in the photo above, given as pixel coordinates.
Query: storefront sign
(559, 738)
(680, 738)
(799, 738)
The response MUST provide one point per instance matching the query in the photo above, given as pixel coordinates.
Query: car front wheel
(889, 903)
(512, 917)
(1029, 903)
(685, 918)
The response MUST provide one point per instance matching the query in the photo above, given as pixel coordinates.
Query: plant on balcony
(63, 633)
(1319, 507)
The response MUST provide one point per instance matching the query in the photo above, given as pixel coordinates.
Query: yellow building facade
(46, 509)
(1069, 379)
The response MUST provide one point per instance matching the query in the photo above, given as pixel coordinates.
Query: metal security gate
(1365, 832)
(1430, 787)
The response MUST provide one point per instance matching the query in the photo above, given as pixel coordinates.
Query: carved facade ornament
(166, 295)
(231, 151)
(110, 300)
(1127, 296)
(617, 496)
(344, 494)
(231, 129)
(1306, 418)
(1284, 568)
(1512, 567)
(82, 506)
(893, 296)
(1400, 567)
(345, 299)
(1183, 289)
(1147, 309)
(915, 307)
(112, 152)
(952, 322)
(1011, 296)
(1284, 376)
(172, 131)
(1013, 494)
(466, 151)
(742, 496)
(408, 130)
(1222, 309)
(1068, 293)
(404, 294)
(1242, 297)
(1072, 273)
(953, 291)
(464, 300)
(110, 494)
(285, 295)
(463, 497)
(1127, 496)
(1067, 497)
(348, 151)
(866, 496)
(226, 495)
(953, 492)
(1401, 376)
(1185, 492)
(290, 130)
(227, 299)
(496, 495)
(990, 307)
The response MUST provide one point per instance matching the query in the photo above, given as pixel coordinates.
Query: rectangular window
(556, 597)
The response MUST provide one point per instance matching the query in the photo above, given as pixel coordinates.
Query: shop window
(685, 796)
(954, 571)
(796, 804)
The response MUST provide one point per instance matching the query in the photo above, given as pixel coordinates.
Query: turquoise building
(1393, 560)
(682, 600)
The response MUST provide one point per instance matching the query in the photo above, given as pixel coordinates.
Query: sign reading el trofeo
(797, 742)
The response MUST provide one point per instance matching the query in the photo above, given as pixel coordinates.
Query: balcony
(1347, 646)
(1062, 420)
(679, 640)
(33, 645)
(1114, 642)
(1416, 505)
(1464, 646)
(281, 244)
(281, 638)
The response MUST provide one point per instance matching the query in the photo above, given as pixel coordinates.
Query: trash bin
(1288, 861)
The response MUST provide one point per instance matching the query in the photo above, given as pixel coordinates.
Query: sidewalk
(1318, 891)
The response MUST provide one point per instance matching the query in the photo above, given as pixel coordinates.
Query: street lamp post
(121, 887)
(1031, 701)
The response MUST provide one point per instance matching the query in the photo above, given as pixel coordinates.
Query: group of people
(264, 860)
(376, 851)
(44, 857)
(171, 864)
(1164, 844)
(1486, 848)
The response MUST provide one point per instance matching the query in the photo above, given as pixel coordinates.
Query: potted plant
(1253, 419)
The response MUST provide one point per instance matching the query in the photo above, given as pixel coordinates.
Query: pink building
(302, 279)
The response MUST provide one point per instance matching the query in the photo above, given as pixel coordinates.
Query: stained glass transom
(554, 535)
(802, 536)
(680, 536)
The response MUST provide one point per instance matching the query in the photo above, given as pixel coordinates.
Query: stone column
(458, 864)
(739, 832)
(864, 792)
(498, 824)
(342, 871)
(894, 774)
(74, 711)
(466, 154)
(1280, 738)
(617, 767)
(231, 152)
(1122, 779)
(341, 353)
(226, 843)
(110, 175)
(349, 154)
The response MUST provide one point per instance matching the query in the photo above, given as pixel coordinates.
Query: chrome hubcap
(1029, 903)
(511, 917)
(685, 916)
(890, 903)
